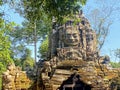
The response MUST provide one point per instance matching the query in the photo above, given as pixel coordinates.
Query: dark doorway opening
(74, 83)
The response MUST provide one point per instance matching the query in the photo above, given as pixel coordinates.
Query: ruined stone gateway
(73, 61)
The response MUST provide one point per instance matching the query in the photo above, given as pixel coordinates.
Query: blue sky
(112, 41)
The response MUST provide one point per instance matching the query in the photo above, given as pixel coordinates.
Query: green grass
(0, 83)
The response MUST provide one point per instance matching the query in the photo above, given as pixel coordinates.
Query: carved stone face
(72, 37)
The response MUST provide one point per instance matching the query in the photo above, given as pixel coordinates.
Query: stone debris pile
(15, 79)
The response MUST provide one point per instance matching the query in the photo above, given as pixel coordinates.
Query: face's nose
(71, 37)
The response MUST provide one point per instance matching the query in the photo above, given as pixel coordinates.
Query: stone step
(64, 72)
(56, 76)
(59, 76)
(55, 87)
(56, 82)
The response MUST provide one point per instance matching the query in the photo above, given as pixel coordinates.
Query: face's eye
(68, 35)
(75, 35)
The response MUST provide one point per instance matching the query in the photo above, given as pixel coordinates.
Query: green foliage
(17, 62)
(26, 60)
(117, 54)
(29, 62)
(0, 83)
(1, 2)
(115, 64)
(2, 68)
(5, 44)
(23, 58)
(33, 10)
(43, 49)
(61, 8)
(26, 34)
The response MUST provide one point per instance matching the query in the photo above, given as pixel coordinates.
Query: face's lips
(72, 43)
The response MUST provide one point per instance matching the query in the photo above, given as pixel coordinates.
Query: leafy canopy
(5, 44)
(43, 49)
(32, 10)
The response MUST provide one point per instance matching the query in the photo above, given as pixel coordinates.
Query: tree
(27, 60)
(5, 44)
(22, 56)
(102, 15)
(43, 49)
(25, 35)
(33, 10)
(117, 54)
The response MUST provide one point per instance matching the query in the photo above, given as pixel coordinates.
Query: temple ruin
(73, 61)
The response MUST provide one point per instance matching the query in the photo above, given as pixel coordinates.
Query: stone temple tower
(73, 60)
(72, 38)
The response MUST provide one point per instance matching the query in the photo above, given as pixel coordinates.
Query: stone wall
(15, 79)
